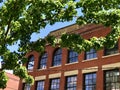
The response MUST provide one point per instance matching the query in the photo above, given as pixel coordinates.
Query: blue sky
(44, 32)
(49, 28)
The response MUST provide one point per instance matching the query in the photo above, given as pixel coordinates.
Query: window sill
(87, 60)
(111, 55)
(41, 69)
(30, 70)
(55, 66)
(71, 63)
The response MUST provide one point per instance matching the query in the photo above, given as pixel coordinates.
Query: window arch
(43, 61)
(57, 57)
(72, 56)
(30, 64)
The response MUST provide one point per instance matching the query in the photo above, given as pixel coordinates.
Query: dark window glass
(40, 85)
(26, 86)
(71, 83)
(30, 63)
(55, 84)
(90, 54)
(90, 81)
(43, 61)
(72, 56)
(111, 51)
(112, 80)
(57, 57)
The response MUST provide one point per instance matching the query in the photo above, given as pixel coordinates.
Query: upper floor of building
(55, 57)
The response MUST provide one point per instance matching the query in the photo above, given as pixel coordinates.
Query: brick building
(13, 82)
(63, 69)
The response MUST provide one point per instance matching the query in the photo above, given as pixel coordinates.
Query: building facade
(13, 82)
(63, 69)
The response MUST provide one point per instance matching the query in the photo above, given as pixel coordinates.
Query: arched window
(72, 56)
(57, 57)
(30, 63)
(43, 61)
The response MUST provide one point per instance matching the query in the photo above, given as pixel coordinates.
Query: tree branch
(8, 28)
(10, 19)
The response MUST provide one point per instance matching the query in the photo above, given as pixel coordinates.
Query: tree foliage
(20, 18)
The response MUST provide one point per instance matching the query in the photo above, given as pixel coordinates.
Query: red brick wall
(13, 82)
(86, 32)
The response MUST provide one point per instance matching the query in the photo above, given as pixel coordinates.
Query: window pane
(43, 61)
(112, 50)
(72, 56)
(112, 81)
(90, 54)
(57, 57)
(26, 86)
(90, 81)
(55, 84)
(71, 83)
(30, 63)
(40, 85)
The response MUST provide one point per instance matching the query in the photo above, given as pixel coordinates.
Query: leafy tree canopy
(20, 18)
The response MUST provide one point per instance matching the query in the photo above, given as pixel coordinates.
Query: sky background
(49, 28)
(44, 32)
